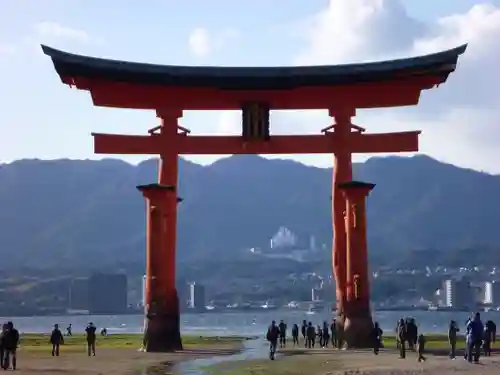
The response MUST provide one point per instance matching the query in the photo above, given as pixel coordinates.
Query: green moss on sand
(35, 342)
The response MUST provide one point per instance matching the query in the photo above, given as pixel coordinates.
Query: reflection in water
(253, 349)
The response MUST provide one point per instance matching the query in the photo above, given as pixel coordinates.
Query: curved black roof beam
(70, 65)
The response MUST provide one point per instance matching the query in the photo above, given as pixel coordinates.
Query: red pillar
(162, 323)
(358, 320)
(342, 172)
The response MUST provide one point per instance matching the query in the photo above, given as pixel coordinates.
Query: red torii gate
(171, 89)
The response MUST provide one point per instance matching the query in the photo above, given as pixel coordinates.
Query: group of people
(9, 341)
(407, 333)
(323, 335)
(57, 338)
(478, 337)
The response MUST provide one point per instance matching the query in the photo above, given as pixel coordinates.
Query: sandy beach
(111, 361)
(334, 362)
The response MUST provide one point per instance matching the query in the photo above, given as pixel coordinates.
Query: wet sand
(110, 361)
(334, 362)
(389, 363)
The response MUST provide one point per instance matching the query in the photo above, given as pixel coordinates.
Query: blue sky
(42, 118)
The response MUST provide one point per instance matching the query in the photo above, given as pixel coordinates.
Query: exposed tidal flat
(116, 354)
(231, 355)
(217, 344)
(119, 354)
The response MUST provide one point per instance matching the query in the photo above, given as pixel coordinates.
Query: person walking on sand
(304, 332)
(420, 348)
(295, 334)
(333, 328)
(272, 336)
(401, 337)
(56, 339)
(282, 327)
(311, 335)
(466, 336)
(2, 343)
(475, 331)
(452, 338)
(377, 338)
(11, 343)
(91, 338)
(326, 334)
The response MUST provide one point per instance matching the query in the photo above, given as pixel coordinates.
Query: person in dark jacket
(492, 327)
(420, 348)
(2, 343)
(466, 336)
(475, 331)
(319, 335)
(56, 339)
(295, 334)
(311, 335)
(377, 338)
(282, 326)
(452, 338)
(396, 331)
(304, 332)
(411, 333)
(272, 336)
(401, 338)
(486, 341)
(11, 342)
(326, 334)
(489, 337)
(91, 338)
(333, 329)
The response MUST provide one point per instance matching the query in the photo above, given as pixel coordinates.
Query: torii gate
(171, 89)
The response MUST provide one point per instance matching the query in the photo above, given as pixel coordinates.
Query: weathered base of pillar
(162, 329)
(357, 330)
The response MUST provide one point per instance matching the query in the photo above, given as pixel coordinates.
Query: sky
(42, 118)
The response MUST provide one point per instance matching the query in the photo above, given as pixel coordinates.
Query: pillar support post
(162, 319)
(358, 324)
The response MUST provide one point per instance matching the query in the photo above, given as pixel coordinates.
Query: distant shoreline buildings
(462, 293)
(101, 294)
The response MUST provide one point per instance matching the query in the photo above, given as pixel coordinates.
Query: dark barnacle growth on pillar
(162, 327)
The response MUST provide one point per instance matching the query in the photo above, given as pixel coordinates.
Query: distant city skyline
(42, 118)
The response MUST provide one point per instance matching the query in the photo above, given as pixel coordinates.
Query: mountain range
(79, 213)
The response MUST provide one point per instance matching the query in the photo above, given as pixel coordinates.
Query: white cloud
(460, 120)
(203, 42)
(200, 42)
(54, 30)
